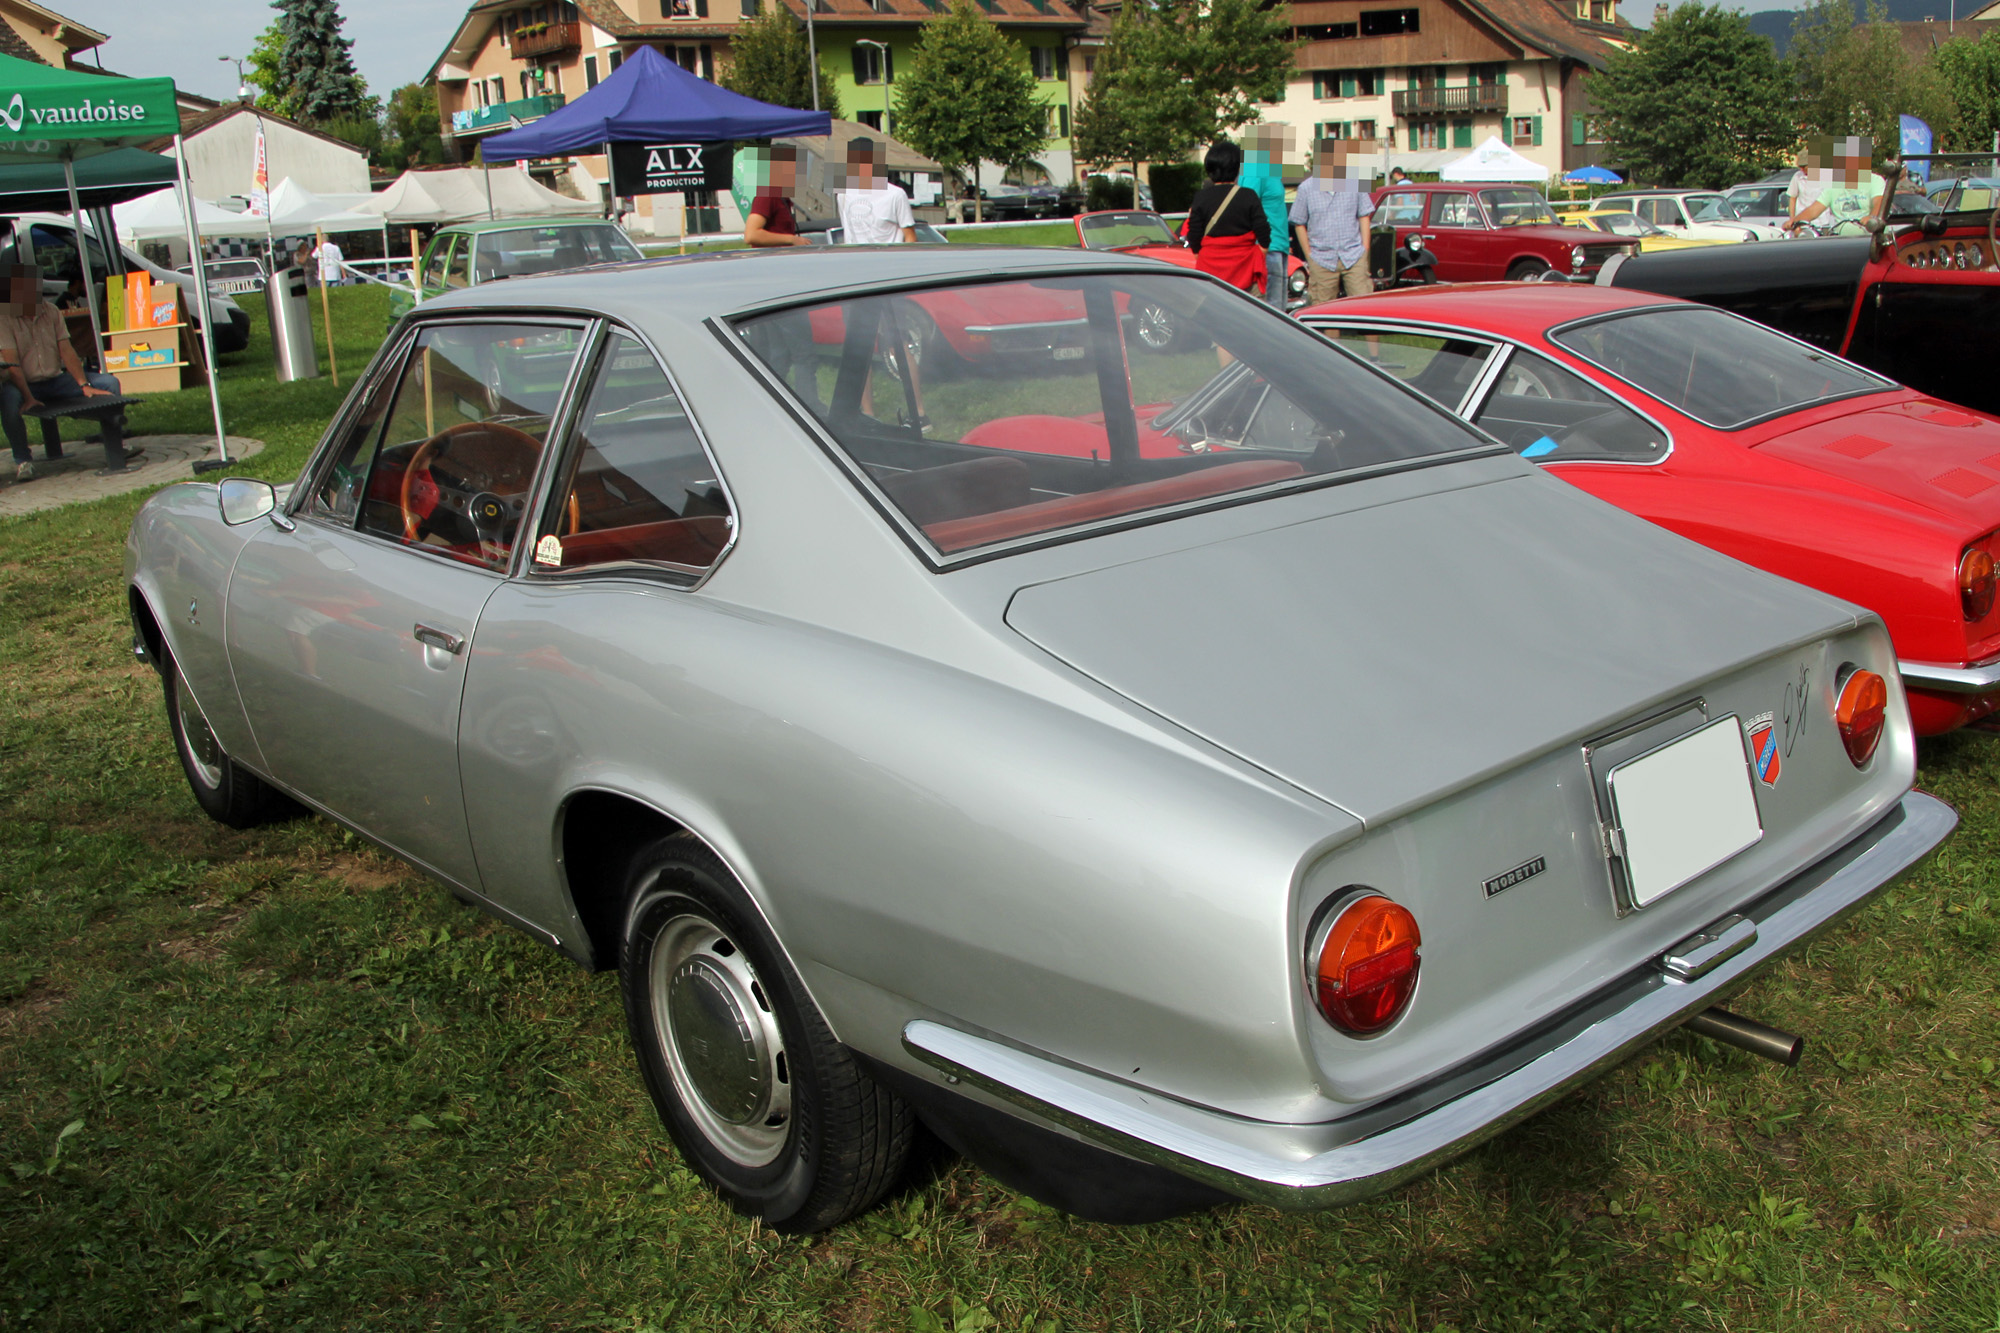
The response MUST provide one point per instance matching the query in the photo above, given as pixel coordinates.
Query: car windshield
(1709, 208)
(1517, 208)
(1112, 231)
(1624, 224)
(991, 412)
(511, 253)
(1718, 368)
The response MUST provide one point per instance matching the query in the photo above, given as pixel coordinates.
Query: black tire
(764, 1104)
(1528, 270)
(226, 791)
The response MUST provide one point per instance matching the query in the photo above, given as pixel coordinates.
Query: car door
(1450, 232)
(350, 624)
(600, 634)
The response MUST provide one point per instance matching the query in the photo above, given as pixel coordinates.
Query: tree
(411, 130)
(1855, 78)
(316, 75)
(263, 75)
(1117, 121)
(969, 96)
(1699, 100)
(1208, 66)
(769, 60)
(1970, 72)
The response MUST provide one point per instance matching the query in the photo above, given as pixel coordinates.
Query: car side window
(1403, 209)
(1654, 211)
(636, 484)
(337, 496)
(458, 269)
(434, 261)
(1553, 415)
(450, 469)
(1453, 210)
(1441, 368)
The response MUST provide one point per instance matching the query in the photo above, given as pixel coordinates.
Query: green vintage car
(465, 254)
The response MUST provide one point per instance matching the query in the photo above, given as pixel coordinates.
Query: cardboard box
(140, 358)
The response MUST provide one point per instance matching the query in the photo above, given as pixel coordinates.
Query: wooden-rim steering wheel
(420, 462)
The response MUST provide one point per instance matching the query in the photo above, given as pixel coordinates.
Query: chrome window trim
(1552, 334)
(686, 578)
(1484, 386)
(392, 351)
(412, 329)
(725, 329)
(1495, 354)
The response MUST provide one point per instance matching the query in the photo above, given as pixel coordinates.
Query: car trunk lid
(1922, 451)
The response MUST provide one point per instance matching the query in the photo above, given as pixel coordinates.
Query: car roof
(1511, 307)
(522, 224)
(1652, 190)
(726, 282)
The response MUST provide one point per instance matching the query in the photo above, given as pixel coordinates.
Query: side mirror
(245, 500)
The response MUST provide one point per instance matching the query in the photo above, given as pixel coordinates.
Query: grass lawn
(274, 1080)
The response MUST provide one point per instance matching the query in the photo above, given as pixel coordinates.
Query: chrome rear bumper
(1380, 1147)
(1951, 679)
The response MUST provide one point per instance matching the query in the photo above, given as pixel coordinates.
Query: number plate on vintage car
(1683, 809)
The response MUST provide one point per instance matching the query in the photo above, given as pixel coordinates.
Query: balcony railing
(551, 38)
(1489, 97)
(486, 119)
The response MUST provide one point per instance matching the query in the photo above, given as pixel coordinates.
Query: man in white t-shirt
(331, 262)
(872, 210)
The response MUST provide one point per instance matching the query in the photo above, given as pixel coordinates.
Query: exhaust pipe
(1747, 1035)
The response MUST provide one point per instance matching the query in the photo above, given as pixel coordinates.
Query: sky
(395, 41)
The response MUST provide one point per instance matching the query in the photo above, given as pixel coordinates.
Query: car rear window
(996, 412)
(1718, 368)
(507, 254)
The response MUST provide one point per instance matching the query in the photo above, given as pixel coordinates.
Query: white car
(53, 241)
(1694, 215)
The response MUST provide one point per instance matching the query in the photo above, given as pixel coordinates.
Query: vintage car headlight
(1860, 711)
(1363, 964)
(1576, 259)
(1748, 236)
(1976, 583)
(1415, 245)
(1296, 284)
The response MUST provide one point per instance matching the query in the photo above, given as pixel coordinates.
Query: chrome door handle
(437, 638)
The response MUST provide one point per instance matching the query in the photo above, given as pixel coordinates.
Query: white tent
(1493, 161)
(460, 194)
(158, 217)
(297, 211)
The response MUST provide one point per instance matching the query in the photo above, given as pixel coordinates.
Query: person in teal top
(1265, 148)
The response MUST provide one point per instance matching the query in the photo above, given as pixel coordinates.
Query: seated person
(41, 366)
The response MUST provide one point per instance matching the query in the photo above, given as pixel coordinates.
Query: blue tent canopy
(1593, 176)
(649, 98)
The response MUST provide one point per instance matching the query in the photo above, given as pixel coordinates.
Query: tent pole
(83, 257)
(222, 458)
(486, 171)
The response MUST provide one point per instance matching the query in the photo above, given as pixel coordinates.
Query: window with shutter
(1576, 129)
(589, 72)
(888, 65)
(1461, 134)
(1347, 85)
(1538, 131)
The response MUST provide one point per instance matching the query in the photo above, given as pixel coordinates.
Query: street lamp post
(812, 53)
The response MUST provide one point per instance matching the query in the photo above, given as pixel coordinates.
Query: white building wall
(221, 159)
(1534, 88)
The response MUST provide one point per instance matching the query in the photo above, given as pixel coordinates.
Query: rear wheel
(764, 1104)
(1527, 270)
(226, 791)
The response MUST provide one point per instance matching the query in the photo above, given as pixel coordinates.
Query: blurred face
(1335, 159)
(24, 291)
(782, 174)
(864, 167)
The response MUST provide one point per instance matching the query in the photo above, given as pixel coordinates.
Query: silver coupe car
(1172, 777)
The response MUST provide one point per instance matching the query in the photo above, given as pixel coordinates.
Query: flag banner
(260, 179)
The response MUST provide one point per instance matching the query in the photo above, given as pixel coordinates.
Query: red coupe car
(1143, 232)
(1753, 443)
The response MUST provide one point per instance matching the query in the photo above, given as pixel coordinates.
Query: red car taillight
(1976, 583)
(1366, 965)
(1859, 714)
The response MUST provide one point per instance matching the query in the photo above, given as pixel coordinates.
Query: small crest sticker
(548, 551)
(1764, 755)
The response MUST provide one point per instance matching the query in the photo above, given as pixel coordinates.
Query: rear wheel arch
(146, 625)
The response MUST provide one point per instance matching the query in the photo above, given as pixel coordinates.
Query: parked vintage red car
(1129, 231)
(1745, 440)
(1922, 306)
(1481, 233)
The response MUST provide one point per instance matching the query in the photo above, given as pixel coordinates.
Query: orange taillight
(1976, 583)
(1366, 969)
(1859, 713)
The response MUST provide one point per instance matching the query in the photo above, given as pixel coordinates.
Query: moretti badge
(1764, 748)
(669, 168)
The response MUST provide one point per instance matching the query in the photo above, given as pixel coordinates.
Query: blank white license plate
(1684, 809)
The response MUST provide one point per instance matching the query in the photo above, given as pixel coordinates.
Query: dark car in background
(1483, 233)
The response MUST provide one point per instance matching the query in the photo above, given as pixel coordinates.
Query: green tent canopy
(50, 115)
(101, 181)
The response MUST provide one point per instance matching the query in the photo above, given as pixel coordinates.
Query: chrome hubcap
(720, 1040)
(198, 743)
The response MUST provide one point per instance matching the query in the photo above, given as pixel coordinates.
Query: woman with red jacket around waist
(1226, 227)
